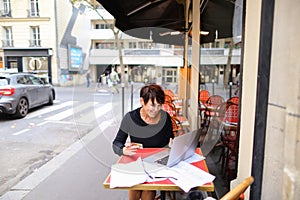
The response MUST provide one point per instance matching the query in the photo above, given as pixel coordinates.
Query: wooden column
(194, 86)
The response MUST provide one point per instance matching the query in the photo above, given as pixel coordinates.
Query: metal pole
(230, 89)
(213, 86)
(123, 99)
(131, 95)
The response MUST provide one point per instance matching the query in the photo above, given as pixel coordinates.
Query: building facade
(54, 44)
(145, 61)
(46, 38)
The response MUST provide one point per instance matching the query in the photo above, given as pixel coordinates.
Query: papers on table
(190, 176)
(127, 175)
(195, 158)
(184, 175)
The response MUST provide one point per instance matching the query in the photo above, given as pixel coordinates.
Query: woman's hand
(130, 149)
(170, 142)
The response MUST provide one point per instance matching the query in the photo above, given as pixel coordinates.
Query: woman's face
(151, 109)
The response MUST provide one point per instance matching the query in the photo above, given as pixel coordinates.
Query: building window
(105, 45)
(167, 46)
(34, 8)
(132, 45)
(8, 41)
(170, 75)
(103, 26)
(144, 45)
(6, 10)
(35, 37)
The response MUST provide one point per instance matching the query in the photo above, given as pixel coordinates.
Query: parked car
(20, 92)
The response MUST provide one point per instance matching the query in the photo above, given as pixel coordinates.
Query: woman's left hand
(170, 142)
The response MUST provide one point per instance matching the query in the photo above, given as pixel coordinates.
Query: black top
(150, 135)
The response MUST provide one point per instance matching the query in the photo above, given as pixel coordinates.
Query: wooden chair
(237, 193)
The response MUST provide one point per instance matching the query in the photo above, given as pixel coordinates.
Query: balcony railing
(176, 52)
(34, 43)
(5, 13)
(7, 43)
(33, 13)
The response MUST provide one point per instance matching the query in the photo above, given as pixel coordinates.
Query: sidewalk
(76, 173)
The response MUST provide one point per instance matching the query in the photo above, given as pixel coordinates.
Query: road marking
(104, 125)
(69, 112)
(102, 94)
(94, 114)
(62, 115)
(20, 132)
(47, 110)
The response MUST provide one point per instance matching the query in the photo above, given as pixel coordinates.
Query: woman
(148, 125)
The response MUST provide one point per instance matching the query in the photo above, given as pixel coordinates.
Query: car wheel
(51, 98)
(22, 108)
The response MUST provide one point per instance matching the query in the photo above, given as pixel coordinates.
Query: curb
(21, 189)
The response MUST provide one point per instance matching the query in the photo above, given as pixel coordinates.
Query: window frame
(35, 36)
(34, 8)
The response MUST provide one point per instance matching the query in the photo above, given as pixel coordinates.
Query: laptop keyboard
(163, 160)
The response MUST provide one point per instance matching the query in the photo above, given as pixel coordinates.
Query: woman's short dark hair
(152, 92)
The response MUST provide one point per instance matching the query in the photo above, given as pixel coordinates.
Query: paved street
(83, 121)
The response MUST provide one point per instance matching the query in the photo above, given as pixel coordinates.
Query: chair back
(234, 100)
(177, 127)
(169, 108)
(168, 99)
(215, 100)
(238, 191)
(203, 96)
(232, 113)
(170, 93)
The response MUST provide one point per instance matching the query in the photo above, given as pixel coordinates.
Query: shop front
(37, 61)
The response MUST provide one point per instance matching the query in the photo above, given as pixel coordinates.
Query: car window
(35, 80)
(21, 80)
(28, 80)
(3, 81)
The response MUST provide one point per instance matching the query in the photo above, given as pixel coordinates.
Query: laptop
(183, 147)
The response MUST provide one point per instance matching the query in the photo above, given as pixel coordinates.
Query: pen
(156, 176)
(166, 177)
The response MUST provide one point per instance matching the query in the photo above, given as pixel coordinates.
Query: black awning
(151, 18)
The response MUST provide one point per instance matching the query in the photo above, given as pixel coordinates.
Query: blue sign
(75, 58)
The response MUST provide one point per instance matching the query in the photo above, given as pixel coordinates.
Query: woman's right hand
(130, 149)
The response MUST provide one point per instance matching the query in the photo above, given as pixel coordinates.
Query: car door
(30, 90)
(42, 90)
